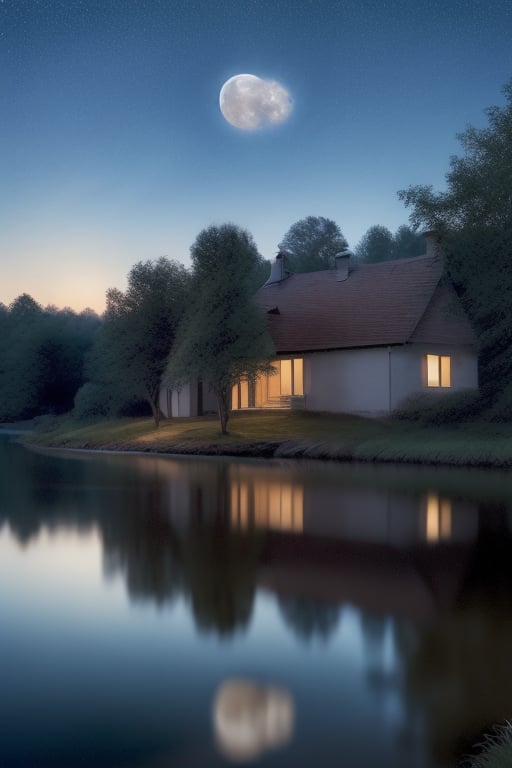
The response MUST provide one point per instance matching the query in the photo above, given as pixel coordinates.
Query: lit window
(298, 377)
(267, 390)
(438, 371)
(286, 377)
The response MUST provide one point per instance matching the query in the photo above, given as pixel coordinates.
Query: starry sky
(113, 148)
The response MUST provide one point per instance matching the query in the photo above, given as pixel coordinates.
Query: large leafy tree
(223, 337)
(375, 245)
(407, 243)
(312, 243)
(379, 244)
(474, 217)
(138, 331)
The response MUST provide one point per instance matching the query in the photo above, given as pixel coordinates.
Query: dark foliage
(312, 243)
(474, 217)
(438, 408)
(42, 357)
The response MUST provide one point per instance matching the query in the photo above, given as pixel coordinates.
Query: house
(359, 338)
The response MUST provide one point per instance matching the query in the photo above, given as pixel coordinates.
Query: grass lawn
(293, 435)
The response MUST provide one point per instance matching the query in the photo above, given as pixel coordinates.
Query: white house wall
(375, 381)
(408, 372)
(347, 381)
(184, 401)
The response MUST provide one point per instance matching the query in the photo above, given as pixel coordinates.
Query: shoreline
(278, 450)
(284, 436)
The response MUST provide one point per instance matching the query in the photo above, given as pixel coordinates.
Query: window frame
(438, 371)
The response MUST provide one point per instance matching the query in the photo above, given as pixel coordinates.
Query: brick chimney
(342, 260)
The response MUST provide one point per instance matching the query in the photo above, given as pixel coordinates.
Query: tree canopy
(379, 244)
(138, 331)
(223, 337)
(375, 245)
(42, 357)
(478, 183)
(312, 243)
(474, 218)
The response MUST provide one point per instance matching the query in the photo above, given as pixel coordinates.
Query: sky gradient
(113, 148)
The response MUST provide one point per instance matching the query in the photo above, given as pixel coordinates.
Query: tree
(223, 337)
(376, 245)
(42, 353)
(138, 331)
(474, 217)
(407, 243)
(312, 243)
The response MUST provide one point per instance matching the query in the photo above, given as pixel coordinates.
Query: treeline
(312, 243)
(42, 357)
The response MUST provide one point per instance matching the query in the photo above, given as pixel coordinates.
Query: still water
(178, 612)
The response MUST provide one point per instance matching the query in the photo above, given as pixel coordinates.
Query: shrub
(437, 408)
(93, 401)
(501, 410)
(99, 401)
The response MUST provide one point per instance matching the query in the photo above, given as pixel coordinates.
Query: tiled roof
(378, 304)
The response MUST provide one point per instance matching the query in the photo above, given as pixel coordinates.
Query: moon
(249, 102)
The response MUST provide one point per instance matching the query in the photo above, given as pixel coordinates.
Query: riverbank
(291, 435)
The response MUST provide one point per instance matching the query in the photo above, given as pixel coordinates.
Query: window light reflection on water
(252, 610)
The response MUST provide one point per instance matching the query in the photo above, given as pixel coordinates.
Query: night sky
(113, 148)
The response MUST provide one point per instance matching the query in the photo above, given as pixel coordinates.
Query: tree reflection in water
(309, 619)
(424, 554)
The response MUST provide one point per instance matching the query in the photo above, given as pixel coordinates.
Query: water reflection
(420, 563)
(438, 525)
(250, 719)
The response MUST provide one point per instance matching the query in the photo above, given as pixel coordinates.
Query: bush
(93, 401)
(436, 408)
(135, 407)
(99, 401)
(501, 410)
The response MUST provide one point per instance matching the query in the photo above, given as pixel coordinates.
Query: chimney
(277, 270)
(432, 240)
(342, 260)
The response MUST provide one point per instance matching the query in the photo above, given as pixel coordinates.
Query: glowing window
(286, 377)
(235, 405)
(298, 376)
(274, 381)
(438, 371)
(244, 394)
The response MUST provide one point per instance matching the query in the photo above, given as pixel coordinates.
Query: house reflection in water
(277, 505)
(387, 552)
(260, 499)
(327, 534)
(438, 523)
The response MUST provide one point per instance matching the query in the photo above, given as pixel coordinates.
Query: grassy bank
(292, 435)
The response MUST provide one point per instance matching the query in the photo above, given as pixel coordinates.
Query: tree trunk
(222, 405)
(155, 407)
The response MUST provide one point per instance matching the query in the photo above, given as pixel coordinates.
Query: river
(170, 611)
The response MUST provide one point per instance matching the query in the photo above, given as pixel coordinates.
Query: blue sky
(113, 148)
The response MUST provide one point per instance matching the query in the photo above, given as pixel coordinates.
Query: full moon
(249, 102)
